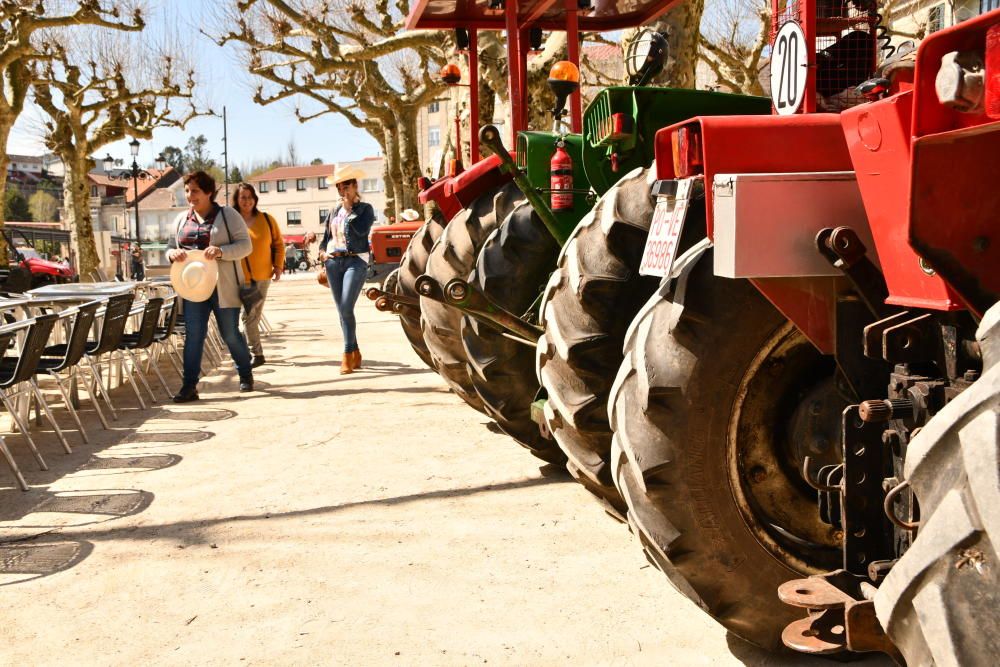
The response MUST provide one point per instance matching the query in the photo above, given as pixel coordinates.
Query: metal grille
(521, 156)
(846, 46)
(598, 119)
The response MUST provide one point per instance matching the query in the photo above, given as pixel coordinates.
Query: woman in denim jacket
(344, 252)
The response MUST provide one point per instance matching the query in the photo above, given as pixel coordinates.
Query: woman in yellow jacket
(265, 262)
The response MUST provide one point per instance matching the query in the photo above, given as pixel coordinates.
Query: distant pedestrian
(345, 252)
(138, 265)
(291, 260)
(265, 262)
(218, 235)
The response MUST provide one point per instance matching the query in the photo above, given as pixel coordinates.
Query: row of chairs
(28, 359)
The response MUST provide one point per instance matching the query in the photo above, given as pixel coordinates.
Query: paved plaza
(366, 519)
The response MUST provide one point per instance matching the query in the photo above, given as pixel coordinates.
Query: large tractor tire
(411, 267)
(589, 302)
(716, 403)
(453, 256)
(511, 270)
(940, 603)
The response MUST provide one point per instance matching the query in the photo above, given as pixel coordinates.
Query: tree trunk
(409, 160)
(391, 152)
(76, 198)
(7, 120)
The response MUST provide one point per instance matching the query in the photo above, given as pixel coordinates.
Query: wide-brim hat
(409, 215)
(347, 173)
(194, 278)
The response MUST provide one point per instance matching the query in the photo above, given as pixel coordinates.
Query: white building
(300, 198)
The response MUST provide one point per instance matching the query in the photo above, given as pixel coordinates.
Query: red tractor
(809, 405)
(803, 430)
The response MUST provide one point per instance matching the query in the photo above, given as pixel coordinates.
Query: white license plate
(665, 232)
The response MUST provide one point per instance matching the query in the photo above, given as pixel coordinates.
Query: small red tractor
(775, 351)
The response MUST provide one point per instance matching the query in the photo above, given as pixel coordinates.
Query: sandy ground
(368, 519)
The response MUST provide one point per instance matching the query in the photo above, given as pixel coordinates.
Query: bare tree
(346, 57)
(22, 23)
(97, 90)
(734, 34)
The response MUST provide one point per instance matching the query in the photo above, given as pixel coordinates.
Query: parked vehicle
(802, 429)
(40, 270)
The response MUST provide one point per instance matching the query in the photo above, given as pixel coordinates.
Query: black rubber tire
(391, 281)
(512, 268)
(454, 256)
(940, 603)
(411, 267)
(589, 302)
(671, 409)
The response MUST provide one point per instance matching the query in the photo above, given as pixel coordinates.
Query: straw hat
(347, 173)
(409, 215)
(195, 277)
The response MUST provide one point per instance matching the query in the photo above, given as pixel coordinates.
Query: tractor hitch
(489, 136)
(841, 616)
(387, 302)
(465, 297)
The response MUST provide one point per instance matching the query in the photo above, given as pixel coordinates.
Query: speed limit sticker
(665, 232)
(789, 69)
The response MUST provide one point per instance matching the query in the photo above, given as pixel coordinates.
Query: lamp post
(135, 173)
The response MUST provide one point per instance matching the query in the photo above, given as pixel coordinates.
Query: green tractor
(534, 279)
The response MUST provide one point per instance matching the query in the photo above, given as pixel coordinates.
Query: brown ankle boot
(356, 359)
(346, 366)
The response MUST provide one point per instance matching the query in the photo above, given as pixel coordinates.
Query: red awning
(295, 239)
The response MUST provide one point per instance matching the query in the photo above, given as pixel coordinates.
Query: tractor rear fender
(953, 199)
(878, 138)
(809, 152)
(453, 193)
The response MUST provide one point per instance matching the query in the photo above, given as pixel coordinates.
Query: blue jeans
(196, 330)
(347, 277)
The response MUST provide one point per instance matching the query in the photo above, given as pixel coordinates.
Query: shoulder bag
(250, 294)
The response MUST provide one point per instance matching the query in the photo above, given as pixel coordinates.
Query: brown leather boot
(356, 359)
(346, 365)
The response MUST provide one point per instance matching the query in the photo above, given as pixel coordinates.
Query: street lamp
(135, 173)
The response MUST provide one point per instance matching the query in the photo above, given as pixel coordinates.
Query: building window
(321, 183)
(433, 137)
(935, 19)
(294, 217)
(263, 186)
(300, 184)
(281, 186)
(434, 107)
(988, 5)
(93, 191)
(369, 185)
(324, 213)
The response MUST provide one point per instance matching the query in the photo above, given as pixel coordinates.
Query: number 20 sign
(789, 68)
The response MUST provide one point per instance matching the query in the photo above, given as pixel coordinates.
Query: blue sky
(256, 133)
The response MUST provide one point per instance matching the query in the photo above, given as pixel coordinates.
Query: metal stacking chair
(6, 341)
(116, 315)
(60, 361)
(132, 344)
(163, 339)
(17, 378)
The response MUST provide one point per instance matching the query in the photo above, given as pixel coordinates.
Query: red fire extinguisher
(561, 178)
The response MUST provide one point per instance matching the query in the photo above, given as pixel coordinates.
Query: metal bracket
(387, 302)
(839, 617)
(465, 297)
(845, 251)
(867, 533)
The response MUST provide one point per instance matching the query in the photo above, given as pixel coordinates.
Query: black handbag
(250, 295)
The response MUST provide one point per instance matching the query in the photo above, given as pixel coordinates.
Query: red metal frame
(544, 14)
